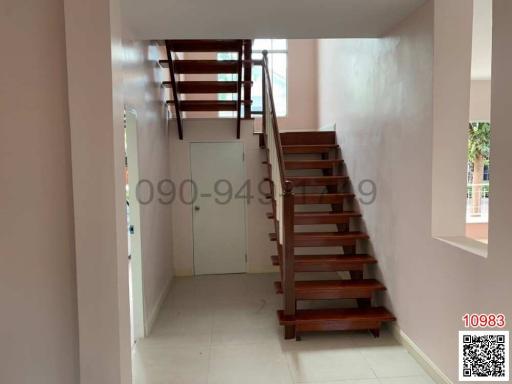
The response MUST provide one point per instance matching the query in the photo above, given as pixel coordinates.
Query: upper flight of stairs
(324, 203)
(240, 66)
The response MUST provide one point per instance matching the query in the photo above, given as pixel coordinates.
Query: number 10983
(484, 320)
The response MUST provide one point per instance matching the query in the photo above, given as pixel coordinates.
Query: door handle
(196, 208)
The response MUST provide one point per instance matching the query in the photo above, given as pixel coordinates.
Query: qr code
(484, 356)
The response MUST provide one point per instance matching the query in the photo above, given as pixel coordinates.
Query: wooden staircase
(241, 67)
(315, 193)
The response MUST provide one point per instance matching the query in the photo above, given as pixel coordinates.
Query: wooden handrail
(286, 184)
(283, 203)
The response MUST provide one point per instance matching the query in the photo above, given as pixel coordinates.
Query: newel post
(288, 257)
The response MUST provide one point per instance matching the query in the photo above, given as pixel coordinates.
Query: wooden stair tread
(209, 105)
(321, 198)
(308, 137)
(202, 66)
(329, 263)
(333, 289)
(326, 239)
(309, 218)
(331, 234)
(316, 180)
(206, 86)
(315, 148)
(334, 314)
(361, 318)
(311, 164)
(205, 45)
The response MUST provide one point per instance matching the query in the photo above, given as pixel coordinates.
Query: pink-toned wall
(302, 87)
(38, 320)
(380, 94)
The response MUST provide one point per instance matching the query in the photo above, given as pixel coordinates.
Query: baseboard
(428, 365)
(156, 309)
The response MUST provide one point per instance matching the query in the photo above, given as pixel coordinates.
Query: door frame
(244, 168)
(137, 283)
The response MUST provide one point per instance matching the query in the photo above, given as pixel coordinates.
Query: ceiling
(481, 56)
(218, 19)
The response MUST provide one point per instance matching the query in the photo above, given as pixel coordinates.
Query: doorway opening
(133, 226)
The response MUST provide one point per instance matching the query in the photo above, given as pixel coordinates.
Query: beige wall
(380, 92)
(302, 87)
(38, 321)
(480, 102)
(142, 92)
(259, 248)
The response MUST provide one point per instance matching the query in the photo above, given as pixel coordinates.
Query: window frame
(260, 52)
(277, 51)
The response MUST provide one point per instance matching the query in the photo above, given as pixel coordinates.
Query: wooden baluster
(247, 77)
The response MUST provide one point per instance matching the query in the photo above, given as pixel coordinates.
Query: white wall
(380, 93)
(259, 248)
(142, 91)
(38, 320)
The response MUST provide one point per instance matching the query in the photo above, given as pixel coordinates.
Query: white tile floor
(223, 330)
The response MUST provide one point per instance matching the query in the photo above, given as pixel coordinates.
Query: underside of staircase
(186, 78)
(327, 273)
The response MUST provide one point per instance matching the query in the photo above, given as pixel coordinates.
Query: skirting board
(156, 309)
(428, 365)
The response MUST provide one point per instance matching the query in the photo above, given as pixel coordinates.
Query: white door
(218, 174)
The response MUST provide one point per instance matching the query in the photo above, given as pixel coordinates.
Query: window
(277, 65)
(477, 198)
(460, 191)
